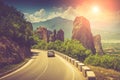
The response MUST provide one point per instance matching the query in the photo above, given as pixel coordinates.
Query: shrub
(106, 61)
(72, 48)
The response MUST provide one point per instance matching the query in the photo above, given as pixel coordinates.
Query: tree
(14, 26)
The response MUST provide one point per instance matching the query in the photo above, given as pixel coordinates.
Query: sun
(95, 9)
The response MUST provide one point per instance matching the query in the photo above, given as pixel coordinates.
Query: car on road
(51, 53)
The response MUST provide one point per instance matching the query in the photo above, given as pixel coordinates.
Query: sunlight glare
(95, 9)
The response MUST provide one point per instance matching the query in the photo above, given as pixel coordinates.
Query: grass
(105, 74)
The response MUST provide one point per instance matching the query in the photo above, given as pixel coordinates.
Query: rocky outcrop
(60, 35)
(11, 52)
(52, 36)
(42, 32)
(82, 32)
(48, 35)
(98, 44)
(15, 36)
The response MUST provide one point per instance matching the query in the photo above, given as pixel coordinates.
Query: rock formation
(98, 45)
(60, 35)
(52, 36)
(48, 35)
(82, 32)
(11, 52)
(42, 32)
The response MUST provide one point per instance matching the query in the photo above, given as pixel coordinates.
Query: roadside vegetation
(105, 61)
(72, 48)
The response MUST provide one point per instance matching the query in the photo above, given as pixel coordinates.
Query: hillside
(15, 36)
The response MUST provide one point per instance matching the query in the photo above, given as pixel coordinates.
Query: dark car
(51, 53)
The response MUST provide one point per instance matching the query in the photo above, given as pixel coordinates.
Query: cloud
(69, 14)
(40, 13)
(53, 15)
(43, 15)
(102, 19)
(40, 16)
(37, 16)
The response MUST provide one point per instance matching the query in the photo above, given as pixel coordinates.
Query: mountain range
(57, 23)
(108, 33)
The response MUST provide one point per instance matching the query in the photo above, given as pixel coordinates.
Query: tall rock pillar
(82, 32)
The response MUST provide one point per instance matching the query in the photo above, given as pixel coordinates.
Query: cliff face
(82, 32)
(43, 33)
(60, 35)
(11, 52)
(98, 44)
(50, 36)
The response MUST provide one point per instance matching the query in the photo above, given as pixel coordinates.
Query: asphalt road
(41, 67)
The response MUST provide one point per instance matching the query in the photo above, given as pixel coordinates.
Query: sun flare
(95, 9)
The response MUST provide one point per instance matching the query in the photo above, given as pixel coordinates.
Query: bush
(40, 45)
(106, 61)
(72, 48)
(75, 49)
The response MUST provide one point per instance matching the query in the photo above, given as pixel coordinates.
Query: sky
(100, 13)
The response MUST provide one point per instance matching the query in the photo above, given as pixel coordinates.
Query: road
(41, 67)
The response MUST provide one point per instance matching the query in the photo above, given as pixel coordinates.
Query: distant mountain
(57, 23)
(108, 33)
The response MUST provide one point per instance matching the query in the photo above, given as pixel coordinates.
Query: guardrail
(86, 71)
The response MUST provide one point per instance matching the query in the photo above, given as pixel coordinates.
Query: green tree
(14, 26)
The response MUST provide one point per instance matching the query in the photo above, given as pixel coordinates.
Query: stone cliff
(42, 32)
(52, 36)
(11, 52)
(60, 35)
(48, 35)
(82, 32)
(98, 44)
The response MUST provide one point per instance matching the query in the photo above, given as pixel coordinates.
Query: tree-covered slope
(15, 35)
